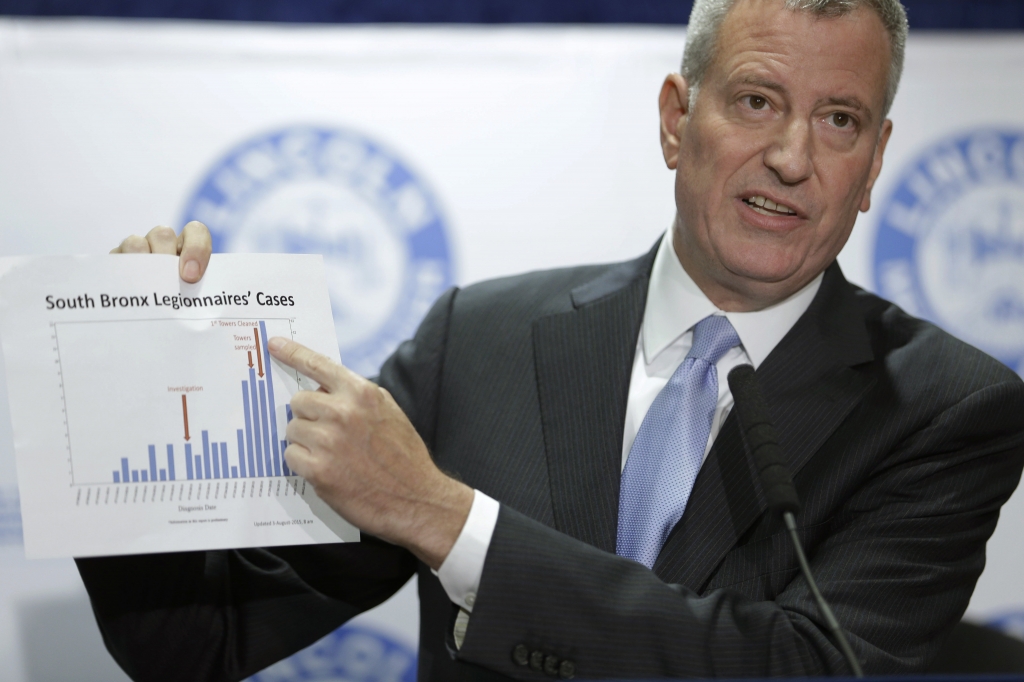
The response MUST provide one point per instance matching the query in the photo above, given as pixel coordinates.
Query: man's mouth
(766, 206)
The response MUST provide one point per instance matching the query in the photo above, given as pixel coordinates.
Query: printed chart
(145, 428)
(161, 352)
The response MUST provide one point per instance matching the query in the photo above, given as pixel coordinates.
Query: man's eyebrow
(763, 83)
(850, 102)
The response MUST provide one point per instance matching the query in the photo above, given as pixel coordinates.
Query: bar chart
(258, 453)
(210, 427)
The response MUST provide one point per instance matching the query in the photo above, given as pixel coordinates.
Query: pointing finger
(319, 368)
(195, 246)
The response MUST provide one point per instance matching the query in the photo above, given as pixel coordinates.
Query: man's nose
(789, 154)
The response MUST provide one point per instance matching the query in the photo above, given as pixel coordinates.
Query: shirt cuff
(460, 573)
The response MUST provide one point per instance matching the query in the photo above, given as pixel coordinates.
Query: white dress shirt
(675, 304)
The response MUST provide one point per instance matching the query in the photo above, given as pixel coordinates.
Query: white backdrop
(520, 148)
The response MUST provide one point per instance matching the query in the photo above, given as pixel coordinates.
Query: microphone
(762, 443)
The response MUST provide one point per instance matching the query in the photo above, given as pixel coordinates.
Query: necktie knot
(712, 338)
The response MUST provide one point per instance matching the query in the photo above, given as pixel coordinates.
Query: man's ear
(876, 164)
(674, 104)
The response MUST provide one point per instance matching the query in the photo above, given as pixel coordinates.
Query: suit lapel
(810, 386)
(584, 358)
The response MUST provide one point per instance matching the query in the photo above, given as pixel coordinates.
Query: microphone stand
(826, 610)
(759, 437)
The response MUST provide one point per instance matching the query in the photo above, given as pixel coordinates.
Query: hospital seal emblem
(349, 654)
(336, 192)
(1010, 623)
(950, 240)
(10, 516)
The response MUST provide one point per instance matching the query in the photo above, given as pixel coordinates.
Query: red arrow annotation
(184, 412)
(259, 352)
(250, 358)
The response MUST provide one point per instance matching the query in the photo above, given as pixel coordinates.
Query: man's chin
(760, 271)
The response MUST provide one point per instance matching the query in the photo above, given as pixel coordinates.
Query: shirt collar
(675, 304)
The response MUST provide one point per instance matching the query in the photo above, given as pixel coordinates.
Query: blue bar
(270, 399)
(284, 443)
(234, 472)
(170, 462)
(216, 459)
(163, 474)
(248, 428)
(124, 469)
(145, 476)
(256, 424)
(117, 477)
(266, 431)
(135, 475)
(207, 471)
(188, 460)
(224, 459)
(199, 467)
(152, 463)
(241, 454)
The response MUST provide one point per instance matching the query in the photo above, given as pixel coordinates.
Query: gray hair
(707, 17)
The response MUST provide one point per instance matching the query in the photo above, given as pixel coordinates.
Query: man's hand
(353, 443)
(193, 245)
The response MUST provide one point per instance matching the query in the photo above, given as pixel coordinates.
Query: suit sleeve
(898, 565)
(224, 615)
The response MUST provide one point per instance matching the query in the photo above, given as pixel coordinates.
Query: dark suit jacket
(904, 443)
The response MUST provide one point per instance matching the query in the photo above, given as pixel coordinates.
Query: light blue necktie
(669, 447)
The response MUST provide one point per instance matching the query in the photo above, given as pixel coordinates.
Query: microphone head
(761, 441)
(743, 385)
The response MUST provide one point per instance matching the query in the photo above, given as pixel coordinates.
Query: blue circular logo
(10, 516)
(950, 241)
(1009, 623)
(349, 654)
(306, 189)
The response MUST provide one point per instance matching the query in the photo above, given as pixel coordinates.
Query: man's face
(780, 150)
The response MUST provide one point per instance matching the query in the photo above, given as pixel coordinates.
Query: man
(600, 517)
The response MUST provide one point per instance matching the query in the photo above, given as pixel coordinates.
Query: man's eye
(757, 102)
(840, 120)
